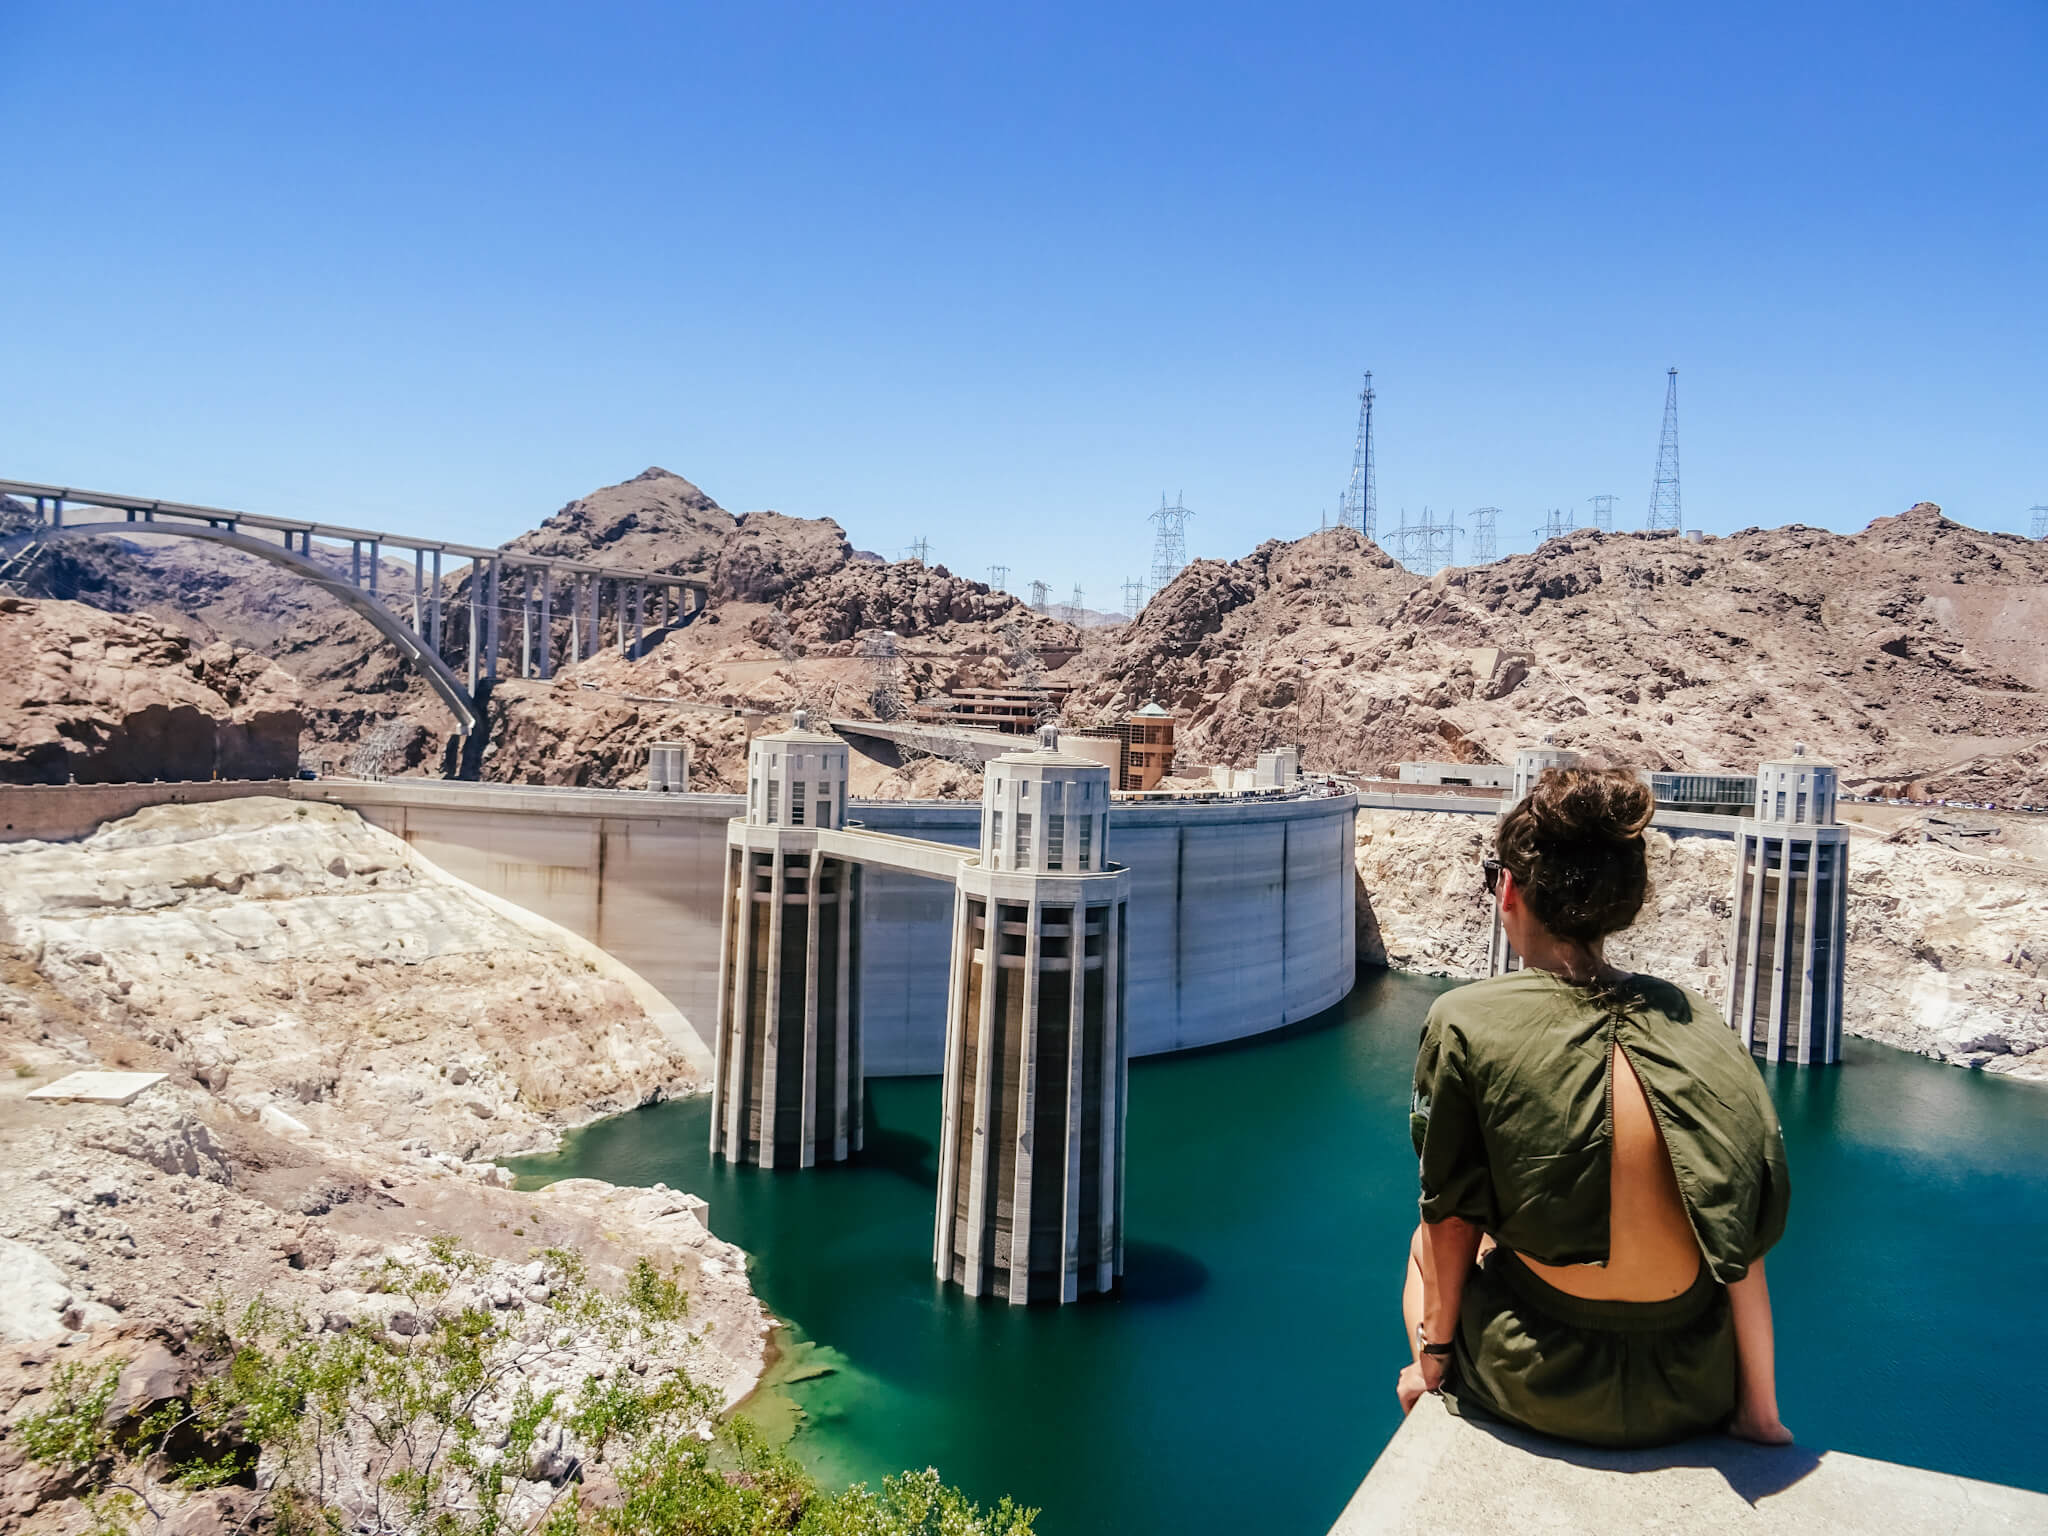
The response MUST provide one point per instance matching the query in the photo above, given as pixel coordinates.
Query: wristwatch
(1423, 1345)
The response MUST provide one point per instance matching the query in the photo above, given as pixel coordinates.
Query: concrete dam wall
(1241, 913)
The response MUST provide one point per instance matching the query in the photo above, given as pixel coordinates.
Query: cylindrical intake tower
(786, 1081)
(1031, 1153)
(1790, 925)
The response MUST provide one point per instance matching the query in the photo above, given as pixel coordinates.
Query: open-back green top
(1511, 1116)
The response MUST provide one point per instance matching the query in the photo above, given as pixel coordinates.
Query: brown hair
(1575, 847)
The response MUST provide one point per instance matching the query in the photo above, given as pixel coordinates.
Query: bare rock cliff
(100, 697)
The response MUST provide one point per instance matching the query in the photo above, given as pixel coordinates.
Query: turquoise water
(1244, 1380)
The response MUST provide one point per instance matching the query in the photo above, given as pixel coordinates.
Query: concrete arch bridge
(531, 591)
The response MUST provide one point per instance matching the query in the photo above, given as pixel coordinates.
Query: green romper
(1511, 1123)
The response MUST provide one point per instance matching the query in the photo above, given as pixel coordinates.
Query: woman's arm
(1445, 1257)
(1756, 1393)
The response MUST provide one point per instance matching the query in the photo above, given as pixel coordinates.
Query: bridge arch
(440, 677)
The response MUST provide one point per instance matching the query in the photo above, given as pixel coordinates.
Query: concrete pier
(786, 1076)
(1030, 1200)
(1789, 926)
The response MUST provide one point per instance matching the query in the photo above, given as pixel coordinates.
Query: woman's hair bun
(1575, 847)
(1574, 803)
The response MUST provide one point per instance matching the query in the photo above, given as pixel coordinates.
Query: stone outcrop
(100, 698)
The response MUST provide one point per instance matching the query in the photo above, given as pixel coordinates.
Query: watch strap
(1436, 1349)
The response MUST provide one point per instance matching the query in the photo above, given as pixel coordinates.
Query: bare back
(1653, 1254)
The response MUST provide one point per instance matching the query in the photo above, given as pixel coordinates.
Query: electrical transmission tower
(1603, 512)
(1360, 507)
(2040, 521)
(1664, 511)
(1170, 549)
(1075, 609)
(1040, 591)
(1428, 544)
(919, 548)
(1556, 524)
(998, 578)
(1134, 597)
(885, 676)
(1484, 549)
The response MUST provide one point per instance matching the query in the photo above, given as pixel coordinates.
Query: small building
(668, 768)
(1017, 711)
(1143, 754)
(1789, 926)
(1474, 775)
(1278, 768)
(1705, 794)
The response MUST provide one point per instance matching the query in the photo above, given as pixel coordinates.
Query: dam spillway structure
(1030, 1203)
(786, 1074)
(1789, 925)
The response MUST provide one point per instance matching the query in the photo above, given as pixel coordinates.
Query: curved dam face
(1240, 913)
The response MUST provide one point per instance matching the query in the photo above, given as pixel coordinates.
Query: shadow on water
(903, 1153)
(1155, 1272)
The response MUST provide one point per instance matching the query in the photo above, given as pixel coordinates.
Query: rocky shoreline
(350, 1039)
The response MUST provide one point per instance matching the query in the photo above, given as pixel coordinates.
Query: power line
(1429, 543)
(1664, 512)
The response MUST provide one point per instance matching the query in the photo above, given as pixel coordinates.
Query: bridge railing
(635, 595)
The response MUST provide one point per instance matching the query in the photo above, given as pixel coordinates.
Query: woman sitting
(1602, 1170)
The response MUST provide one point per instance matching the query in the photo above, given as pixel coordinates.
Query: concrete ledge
(1444, 1475)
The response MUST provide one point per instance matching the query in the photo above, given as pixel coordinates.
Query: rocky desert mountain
(1910, 653)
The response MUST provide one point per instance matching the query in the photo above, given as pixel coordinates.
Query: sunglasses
(1489, 871)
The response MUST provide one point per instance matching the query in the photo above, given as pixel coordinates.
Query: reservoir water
(1244, 1379)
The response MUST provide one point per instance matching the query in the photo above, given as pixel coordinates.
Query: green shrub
(436, 1434)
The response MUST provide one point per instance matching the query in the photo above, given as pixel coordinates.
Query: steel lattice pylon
(1360, 506)
(1429, 544)
(1484, 548)
(2040, 521)
(1170, 548)
(1664, 509)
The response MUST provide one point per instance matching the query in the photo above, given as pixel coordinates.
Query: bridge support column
(787, 1084)
(419, 582)
(355, 562)
(1031, 1146)
(526, 621)
(376, 560)
(639, 618)
(434, 608)
(547, 622)
(493, 572)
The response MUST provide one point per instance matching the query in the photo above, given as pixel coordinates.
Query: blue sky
(1001, 276)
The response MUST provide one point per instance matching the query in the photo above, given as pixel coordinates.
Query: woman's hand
(1424, 1376)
